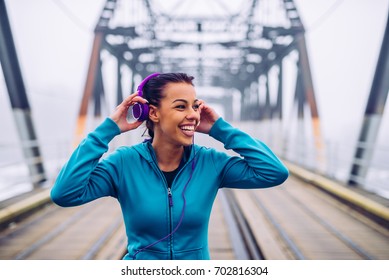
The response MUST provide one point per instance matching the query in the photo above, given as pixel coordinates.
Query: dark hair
(153, 91)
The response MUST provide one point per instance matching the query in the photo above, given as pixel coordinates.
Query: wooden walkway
(91, 231)
(298, 221)
(293, 221)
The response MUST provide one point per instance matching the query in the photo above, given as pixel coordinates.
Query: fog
(53, 41)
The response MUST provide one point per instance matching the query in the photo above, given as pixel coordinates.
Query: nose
(193, 114)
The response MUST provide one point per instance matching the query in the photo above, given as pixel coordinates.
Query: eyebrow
(185, 101)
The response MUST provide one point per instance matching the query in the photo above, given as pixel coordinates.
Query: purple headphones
(140, 111)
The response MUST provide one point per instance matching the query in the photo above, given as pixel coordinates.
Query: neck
(168, 156)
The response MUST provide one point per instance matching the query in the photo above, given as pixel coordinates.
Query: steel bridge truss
(223, 44)
(233, 45)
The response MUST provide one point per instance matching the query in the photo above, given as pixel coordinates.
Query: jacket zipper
(170, 205)
(170, 198)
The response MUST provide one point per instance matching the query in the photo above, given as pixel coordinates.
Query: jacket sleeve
(256, 167)
(85, 177)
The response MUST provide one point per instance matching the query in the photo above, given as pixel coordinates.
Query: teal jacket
(164, 223)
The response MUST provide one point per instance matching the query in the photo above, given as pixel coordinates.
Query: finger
(132, 99)
(129, 98)
(140, 99)
(135, 124)
(125, 103)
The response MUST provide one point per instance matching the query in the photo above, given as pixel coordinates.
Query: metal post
(253, 101)
(307, 84)
(19, 101)
(132, 82)
(300, 102)
(278, 107)
(94, 64)
(373, 115)
(98, 92)
(268, 107)
(299, 95)
(278, 114)
(89, 86)
(119, 89)
(310, 99)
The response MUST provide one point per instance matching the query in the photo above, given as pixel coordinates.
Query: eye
(181, 107)
(196, 107)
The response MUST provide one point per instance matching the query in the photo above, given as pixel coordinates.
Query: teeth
(190, 128)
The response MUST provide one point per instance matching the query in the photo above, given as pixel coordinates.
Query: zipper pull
(170, 196)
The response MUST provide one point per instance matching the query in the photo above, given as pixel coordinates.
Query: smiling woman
(166, 185)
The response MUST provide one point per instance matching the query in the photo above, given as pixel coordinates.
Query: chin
(187, 142)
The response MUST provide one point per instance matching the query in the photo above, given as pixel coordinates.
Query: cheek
(170, 122)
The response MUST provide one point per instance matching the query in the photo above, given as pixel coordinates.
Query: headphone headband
(142, 84)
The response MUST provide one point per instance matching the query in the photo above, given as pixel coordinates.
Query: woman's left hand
(208, 117)
(119, 116)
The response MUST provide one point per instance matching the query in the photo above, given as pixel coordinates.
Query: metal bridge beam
(373, 115)
(90, 85)
(204, 47)
(19, 101)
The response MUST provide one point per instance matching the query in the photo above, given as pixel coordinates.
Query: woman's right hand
(119, 116)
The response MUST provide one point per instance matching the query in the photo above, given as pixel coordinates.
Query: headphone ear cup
(140, 111)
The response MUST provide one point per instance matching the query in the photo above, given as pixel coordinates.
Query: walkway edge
(340, 191)
(12, 212)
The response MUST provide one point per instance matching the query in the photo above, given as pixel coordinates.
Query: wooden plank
(272, 246)
(219, 240)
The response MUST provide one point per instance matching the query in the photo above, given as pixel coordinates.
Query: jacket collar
(146, 150)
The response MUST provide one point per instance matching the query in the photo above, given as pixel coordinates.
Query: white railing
(330, 158)
(15, 176)
(333, 159)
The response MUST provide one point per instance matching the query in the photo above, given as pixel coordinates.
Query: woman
(166, 186)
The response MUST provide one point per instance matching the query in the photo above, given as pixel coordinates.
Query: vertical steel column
(89, 86)
(19, 101)
(132, 67)
(310, 99)
(98, 91)
(94, 64)
(119, 89)
(300, 102)
(373, 114)
(299, 94)
(253, 101)
(260, 108)
(307, 84)
(246, 99)
(268, 106)
(242, 103)
(277, 112)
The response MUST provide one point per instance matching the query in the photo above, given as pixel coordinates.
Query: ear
(153, 113)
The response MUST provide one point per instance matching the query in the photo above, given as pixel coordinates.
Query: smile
(188, 130)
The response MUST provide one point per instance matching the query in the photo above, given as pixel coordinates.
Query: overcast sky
(343, 38)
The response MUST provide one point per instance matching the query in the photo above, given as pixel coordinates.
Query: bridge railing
(15, 177)
(333, 159)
